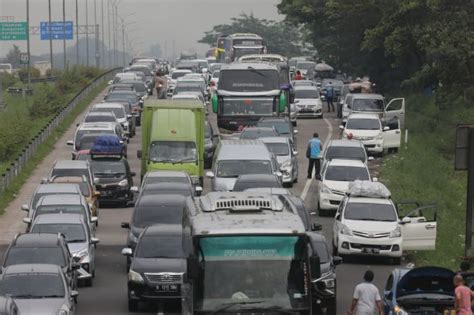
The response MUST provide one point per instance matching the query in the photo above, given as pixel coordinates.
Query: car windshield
(282, 127)
(118, 111)
(62, 172)
(177, 75)
(160, 247)
(363, 124)
(165, 179)
(139, 87)
(305, 65)
(86, 142)
(258, 133)
(234, 168)
(306, 93)
(173, 151)
(346, 173)
(100, 118)
(348, 153)
(368, 105)
(30, 285)
(181, 88)
(82, 132)
(59, 209)
(241, 185)
(184, 191)
(250, 80)
(237, 106)
(370, 212)
(239, 52)
(72, 232)
(108, 168)
(120, 97)
(35, 255)
(278, 148)
(165, 214)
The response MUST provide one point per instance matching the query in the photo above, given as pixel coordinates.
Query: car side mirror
(27, 220)
(315, 267)
(110, 82)
(94, 241)
(386, 128)
(295, 152)
(295, 131)
(44, 180)
(341, 127)
(375, 179)
(134, 189)
(192, 263)
(94, 219)
(133, 174)
(370, 158)
(125, 225)
(74, 295)
(316, 227)
(25, 207)
(127, 251)
(405, 220)
(139, 154)
(279, 174)
(96, 181)
(389, 295)
(129, 116)
(210, 174)
(198, 190)
(70, 142)
(337, 260)
(76, 266)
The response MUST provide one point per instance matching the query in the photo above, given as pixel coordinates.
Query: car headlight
(329, 283)
(64, 310)
(286, 166)
(346, 231)
(82, 254)
(396, 233)
(123, 183)
(397, 310)
(325, 189)
(133, 238)
(135, 277)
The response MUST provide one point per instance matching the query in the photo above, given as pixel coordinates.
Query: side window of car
(388, 286)
(394, 124)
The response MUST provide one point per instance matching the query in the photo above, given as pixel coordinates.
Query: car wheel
(132, 305)
(88, 282)
(296, 179)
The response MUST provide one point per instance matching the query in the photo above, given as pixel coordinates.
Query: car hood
(307, 101)
(224, 183)
(363, 133)
(337, 185)
(433, 280)
(76, 247)
(143, 265)
(282, 159)
(39, 306)
(370, 226)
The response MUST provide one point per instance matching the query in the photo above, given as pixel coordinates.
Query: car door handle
(430, 226)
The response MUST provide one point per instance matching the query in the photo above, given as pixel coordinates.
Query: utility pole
(123, 43)
(103, 38)
(77, 34)
(115, 34)
(64, 34)
(87, 35)
(97, 54)
(28, 41)
(50, 37)
(109, 62)
(2, 104)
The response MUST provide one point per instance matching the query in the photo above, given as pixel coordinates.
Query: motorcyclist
(161, 85)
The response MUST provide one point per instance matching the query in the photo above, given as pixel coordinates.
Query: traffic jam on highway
(200, 164)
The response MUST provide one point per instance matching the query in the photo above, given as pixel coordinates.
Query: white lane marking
(326, 141)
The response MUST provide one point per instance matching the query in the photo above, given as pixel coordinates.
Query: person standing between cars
(298, 75)
(161, 85)
(329, 96)
(463, 296)
(313, 153)
(366, 299)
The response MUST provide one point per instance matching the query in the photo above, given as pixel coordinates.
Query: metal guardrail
(28, 152)
(39, 80)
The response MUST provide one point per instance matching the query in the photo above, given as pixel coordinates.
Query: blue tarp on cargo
(107, 144)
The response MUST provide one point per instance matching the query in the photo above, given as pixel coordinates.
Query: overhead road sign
(13, 31)
(59, 30)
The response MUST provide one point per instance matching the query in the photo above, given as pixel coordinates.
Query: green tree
(13, 56)
(280, 37)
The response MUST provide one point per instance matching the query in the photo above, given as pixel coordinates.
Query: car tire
(132, 305)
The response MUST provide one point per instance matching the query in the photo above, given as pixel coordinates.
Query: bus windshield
(250, 80)
(270, 272)
(248, 106)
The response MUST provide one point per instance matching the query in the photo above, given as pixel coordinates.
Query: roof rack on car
(368, 189)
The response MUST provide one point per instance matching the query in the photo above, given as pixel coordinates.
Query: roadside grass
(425, 172)
(45, 148)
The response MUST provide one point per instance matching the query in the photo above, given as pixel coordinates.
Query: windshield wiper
(75, 241)
(257, 72)
(51, 296)
(25, 296)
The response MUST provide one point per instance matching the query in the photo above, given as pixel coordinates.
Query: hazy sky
(151, 21)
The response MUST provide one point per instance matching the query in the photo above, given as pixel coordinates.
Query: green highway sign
(13, 31)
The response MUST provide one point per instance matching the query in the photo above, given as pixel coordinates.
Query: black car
(211, 139)
(283, 126)
(131, 97)
(8, 306)
(158, 265)
(113, 179)
(325, 287)
(153, 209)
(244, 182)
(42, 248)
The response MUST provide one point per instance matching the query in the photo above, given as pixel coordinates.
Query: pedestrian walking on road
(330, 96)
(366, 300)
(463, 297)
(313, 153)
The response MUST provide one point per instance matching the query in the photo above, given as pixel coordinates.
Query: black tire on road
(132, 305)
(331, 308)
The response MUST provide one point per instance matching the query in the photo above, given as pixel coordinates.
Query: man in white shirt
(366, 300)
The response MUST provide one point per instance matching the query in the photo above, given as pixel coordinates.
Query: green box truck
(173, 137)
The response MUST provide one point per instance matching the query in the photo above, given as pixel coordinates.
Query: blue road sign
(59, 30)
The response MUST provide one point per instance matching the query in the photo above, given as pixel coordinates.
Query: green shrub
(8, 80)
(12, 133)
(53, 73)
(23, 73)
(46, 101)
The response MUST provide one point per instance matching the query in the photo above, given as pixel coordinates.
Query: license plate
(167, 287)
(371, 250)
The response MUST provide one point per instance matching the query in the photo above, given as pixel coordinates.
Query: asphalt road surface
(108, 295)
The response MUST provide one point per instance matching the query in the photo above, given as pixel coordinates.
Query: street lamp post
(87, 35)
(103, 32)
(28, 41)
(64, 35)
(50, 37)
(77, 34)
(108, 31)
(97, 54)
